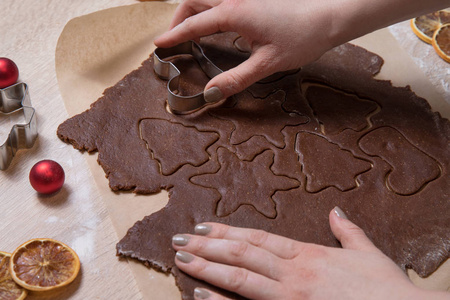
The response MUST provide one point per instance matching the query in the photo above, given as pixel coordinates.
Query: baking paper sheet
(97, 50)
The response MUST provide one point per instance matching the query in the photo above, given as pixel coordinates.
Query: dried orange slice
(425, 26)
(441, 42)
(9, 290)
(44, 264)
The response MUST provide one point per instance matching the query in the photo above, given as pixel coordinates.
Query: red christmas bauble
(47, 177)
(9, 73)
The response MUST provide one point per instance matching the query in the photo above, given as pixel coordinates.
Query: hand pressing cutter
(166, 70)
(21, 136)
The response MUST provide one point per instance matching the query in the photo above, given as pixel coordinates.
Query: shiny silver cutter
(167, 71)
(21, 136)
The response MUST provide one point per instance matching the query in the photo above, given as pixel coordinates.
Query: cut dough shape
(169, 144)
(337, 110)
(326, 164)
(411, 169)
(254, 146)
(233, 184)
(264, 117)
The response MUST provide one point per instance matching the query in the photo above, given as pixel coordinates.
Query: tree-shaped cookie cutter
(166, 70)
(21, 136)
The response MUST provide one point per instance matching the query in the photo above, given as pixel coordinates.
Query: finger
(350, 235)
(231, 252)
(201, 294)
(234, 279)
(243, 45)
(190, 8)
(258, 66)
(280, 246)
(202, 24)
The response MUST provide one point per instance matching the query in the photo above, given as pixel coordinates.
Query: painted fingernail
(242, 45)
(184, 257)
(202, 229)
(180, 239)
(340, 213)
(213, 94)
(201, 293)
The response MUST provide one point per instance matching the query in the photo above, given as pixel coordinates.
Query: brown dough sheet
(275, 157)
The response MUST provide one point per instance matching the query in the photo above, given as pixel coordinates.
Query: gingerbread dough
(276, 157)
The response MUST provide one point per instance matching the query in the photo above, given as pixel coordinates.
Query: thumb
(350, 235)
(237, 79)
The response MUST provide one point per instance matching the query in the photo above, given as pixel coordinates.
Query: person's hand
(280, 36)
(260, 265)
(283, 35)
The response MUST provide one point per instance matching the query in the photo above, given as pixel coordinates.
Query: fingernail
(340, 213)
(213, 94)
(202, 229)
(184, 257)
(201, 293)
(180, 239)
(242, 45)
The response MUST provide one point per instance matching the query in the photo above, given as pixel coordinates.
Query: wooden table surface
(77, 214)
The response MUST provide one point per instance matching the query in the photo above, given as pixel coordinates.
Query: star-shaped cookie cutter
(21, 136)
(166, 70)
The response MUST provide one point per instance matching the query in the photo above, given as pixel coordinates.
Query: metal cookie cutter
(21, 136)
(167, 71)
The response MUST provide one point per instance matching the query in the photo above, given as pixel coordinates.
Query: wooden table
(77, 215)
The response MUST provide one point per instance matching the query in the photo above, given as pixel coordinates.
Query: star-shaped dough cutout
(245, 183)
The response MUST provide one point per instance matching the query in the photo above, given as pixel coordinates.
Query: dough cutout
(232, 182)
(411, 169)
(174, 145)
(337, 111)
(325, 164)
(264, 117)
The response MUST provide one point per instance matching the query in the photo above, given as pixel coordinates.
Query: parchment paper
(97, 50)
